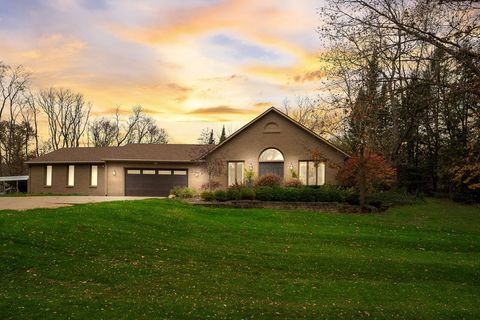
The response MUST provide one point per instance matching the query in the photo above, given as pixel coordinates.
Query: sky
(190, 64)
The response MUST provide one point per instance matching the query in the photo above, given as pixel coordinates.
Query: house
(270, 143)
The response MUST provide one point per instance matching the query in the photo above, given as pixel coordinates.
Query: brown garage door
(153, 182)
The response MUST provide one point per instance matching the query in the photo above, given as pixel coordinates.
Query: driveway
(25, 203)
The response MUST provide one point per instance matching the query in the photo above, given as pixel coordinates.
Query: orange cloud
(219, 110)
(262, 104)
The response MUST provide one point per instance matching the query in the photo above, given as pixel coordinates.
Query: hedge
(304, 194)
(289, 194)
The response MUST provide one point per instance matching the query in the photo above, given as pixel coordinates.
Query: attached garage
(153, 182)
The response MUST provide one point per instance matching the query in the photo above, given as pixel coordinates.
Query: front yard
(165, 259)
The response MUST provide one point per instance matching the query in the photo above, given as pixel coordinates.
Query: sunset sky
(191, 64)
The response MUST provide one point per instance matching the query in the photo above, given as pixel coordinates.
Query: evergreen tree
(211, 139)
(223, 135)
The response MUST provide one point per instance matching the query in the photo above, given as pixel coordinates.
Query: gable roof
(129, 152)
(293, 121)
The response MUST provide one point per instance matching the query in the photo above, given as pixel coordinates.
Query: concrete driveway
(25, 203)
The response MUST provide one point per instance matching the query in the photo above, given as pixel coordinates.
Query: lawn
(164, 259)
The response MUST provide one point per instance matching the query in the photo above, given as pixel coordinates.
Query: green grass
(165, 259)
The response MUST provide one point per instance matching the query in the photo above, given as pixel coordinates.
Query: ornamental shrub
(264, 193)
(294, 183)
(247, 194)
(220, 195)
(207, 196)
(269, 180)
(379, 174)
(183, 192)
(233, 194)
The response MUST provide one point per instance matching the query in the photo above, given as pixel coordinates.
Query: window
(271, 155)
(165, 172)
(311, 174)
(148, 171)
(71, 176)
(235, 172)
(180, 172)
(48, 176)
(133, 171)
(93, 176)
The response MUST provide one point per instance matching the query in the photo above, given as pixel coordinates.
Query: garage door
(153, 182)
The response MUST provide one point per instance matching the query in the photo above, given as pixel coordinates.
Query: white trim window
(311, 174)
(235, 172)
(93, 176)
(71, 175)
(48, 175)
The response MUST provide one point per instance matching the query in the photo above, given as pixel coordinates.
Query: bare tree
(67, 113)
(103, 132)
(206, 136)
(137, 128)
(13, 84)
(214, 168)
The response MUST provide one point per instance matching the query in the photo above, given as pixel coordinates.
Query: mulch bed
(333, 207)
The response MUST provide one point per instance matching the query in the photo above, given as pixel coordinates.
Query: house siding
(82, 186)
(293, 141)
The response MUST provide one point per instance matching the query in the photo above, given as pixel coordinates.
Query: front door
(275, 168)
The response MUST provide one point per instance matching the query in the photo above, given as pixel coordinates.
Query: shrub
(269, 180)
(264, 193)
(249, 177)
(207, 196)
(294, 183)
(220, 195)
(233, 194)
(247, 194)
(380, 175)
(305, 194)
(183, 192)
(212, 185)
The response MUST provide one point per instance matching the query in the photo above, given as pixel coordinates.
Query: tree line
(65, 118)
(404, 83)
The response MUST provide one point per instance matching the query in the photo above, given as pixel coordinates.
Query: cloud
(223, 109)
(310, 76)
(262, 104)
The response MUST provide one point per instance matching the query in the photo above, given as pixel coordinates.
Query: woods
(405, 77)
(33, 123)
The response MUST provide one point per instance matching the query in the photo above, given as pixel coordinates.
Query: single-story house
(271, 143)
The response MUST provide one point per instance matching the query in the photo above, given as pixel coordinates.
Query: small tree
(379, 175)
(213, 168)
(223, 135)
(211, 139)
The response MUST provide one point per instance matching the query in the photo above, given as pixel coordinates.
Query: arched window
(271, 155)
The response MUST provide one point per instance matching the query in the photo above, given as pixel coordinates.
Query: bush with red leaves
(294, 183)
(269, 180)
(380, 175)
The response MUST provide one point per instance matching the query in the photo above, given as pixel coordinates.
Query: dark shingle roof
(129, 152)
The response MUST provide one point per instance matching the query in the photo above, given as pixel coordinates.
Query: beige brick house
(271, 143)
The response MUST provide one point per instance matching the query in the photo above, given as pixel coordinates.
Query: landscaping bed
(331, 207)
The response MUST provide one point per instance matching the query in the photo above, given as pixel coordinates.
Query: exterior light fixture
(250, 166)
(291, 166)
(196, 174)
(114, 172)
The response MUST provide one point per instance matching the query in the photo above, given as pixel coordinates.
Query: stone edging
(333, 207)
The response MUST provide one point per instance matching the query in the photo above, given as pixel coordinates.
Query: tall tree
(137, 128)
(67, 114)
